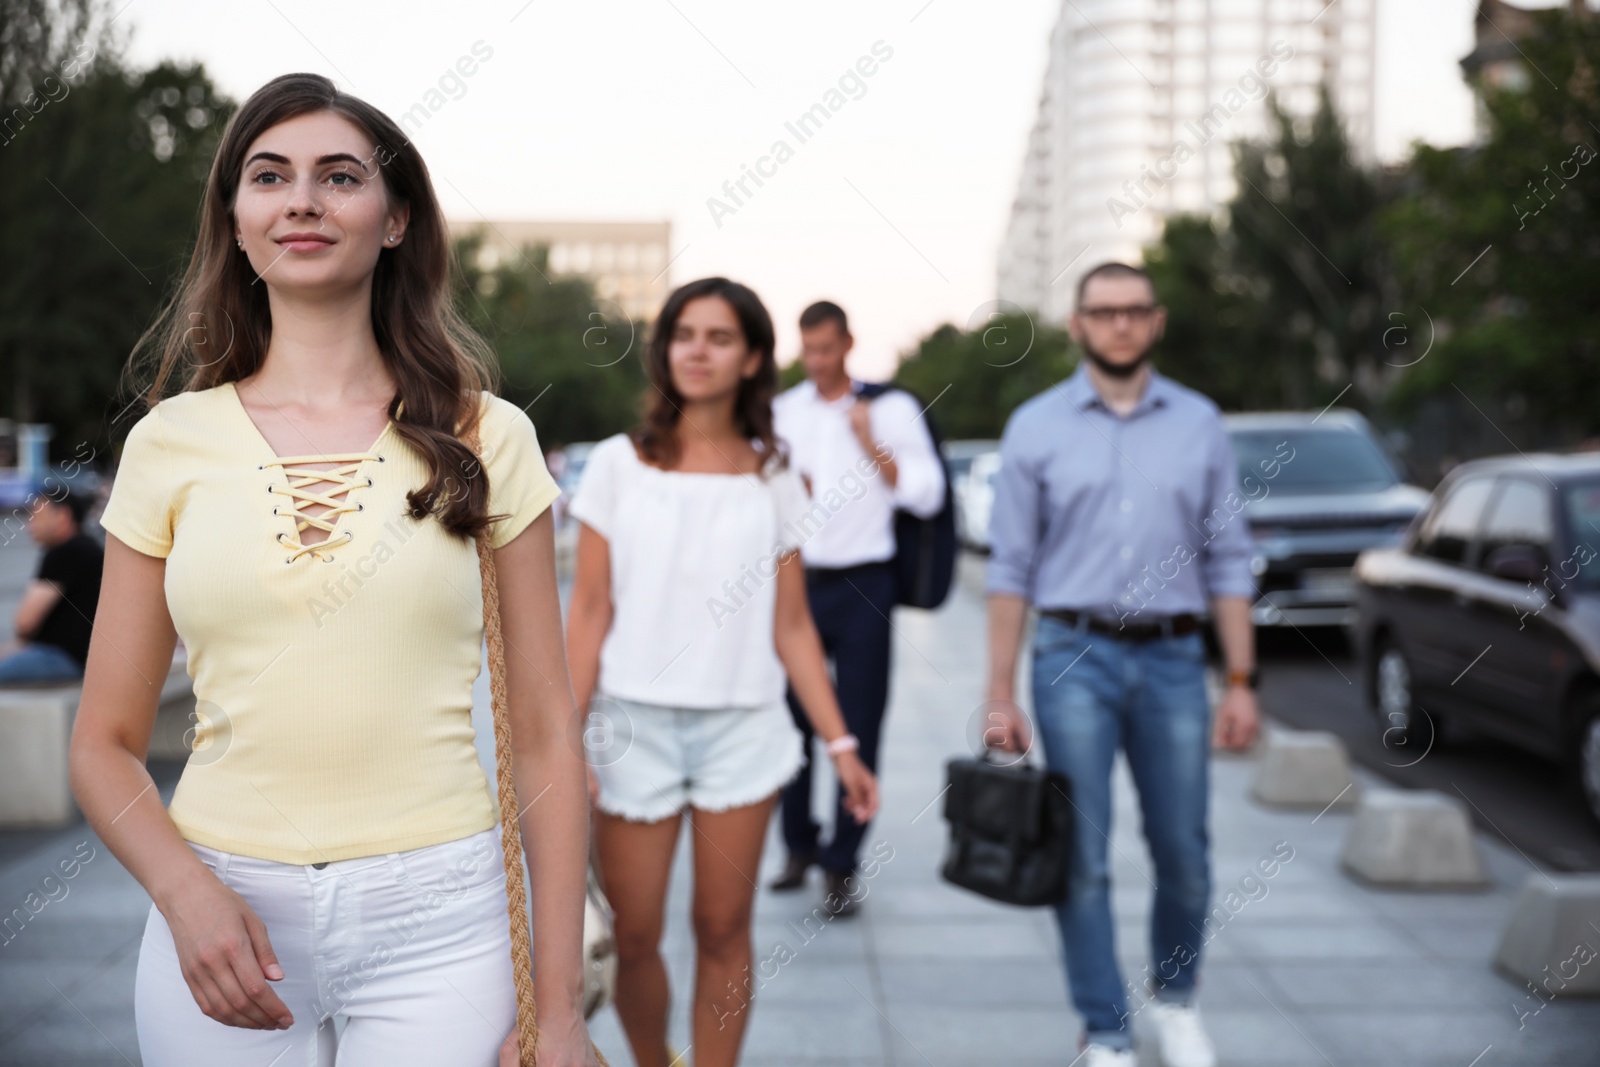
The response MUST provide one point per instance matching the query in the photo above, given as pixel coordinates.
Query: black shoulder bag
(925, 549)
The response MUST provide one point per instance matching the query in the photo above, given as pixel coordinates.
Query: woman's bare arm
(130, 653)
(800, 650)
(549, 768)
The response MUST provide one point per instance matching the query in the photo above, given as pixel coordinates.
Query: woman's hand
(226, 958)
(860, 787)
(562, 1043)
(800, 650)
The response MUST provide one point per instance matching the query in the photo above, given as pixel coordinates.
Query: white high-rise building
(1141, 101)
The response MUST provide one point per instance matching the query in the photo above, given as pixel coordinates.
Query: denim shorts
(654, 760)
(412, 948)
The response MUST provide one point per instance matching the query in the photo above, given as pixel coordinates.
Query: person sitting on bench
(56, 615)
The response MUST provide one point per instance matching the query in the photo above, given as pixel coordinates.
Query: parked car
(18, 490)
(976, 501)
(1490, 611)
(958, 459)
(1320, 489)
(567, 466)
(958, 455)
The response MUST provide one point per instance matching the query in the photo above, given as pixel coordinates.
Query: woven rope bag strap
(506, 787)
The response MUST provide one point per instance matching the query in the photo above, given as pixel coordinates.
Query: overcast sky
(643, 109)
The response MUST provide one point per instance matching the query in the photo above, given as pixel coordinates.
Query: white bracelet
(842, 744)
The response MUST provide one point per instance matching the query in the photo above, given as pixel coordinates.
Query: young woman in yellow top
(302, 514)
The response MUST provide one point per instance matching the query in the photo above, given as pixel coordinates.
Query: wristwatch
(1251, 677)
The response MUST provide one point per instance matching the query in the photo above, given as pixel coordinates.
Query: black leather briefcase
(1010, 830)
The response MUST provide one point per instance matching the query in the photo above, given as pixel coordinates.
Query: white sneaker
(1180, 1039)
(1101, 1056)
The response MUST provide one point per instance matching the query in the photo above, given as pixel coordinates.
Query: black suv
(1490, 611)
(1319, 489)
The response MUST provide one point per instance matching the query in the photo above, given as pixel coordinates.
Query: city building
(1141, 102)
(628, 262)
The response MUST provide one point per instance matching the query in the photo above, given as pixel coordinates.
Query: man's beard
(1115, 370)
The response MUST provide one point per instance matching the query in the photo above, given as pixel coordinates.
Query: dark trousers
(851, 607)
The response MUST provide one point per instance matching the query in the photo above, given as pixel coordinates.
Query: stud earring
(241, 244)
(391, 238)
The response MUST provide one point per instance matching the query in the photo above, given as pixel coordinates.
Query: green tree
(1277, 301)
(1500, 241)
(571, 357)
(791, 375)
(101, 171)
(973, 379)
(1216, 338)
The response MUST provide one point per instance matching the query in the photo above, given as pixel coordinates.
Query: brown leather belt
(1164, 626)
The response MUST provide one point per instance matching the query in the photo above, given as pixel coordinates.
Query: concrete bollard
(1413, 840)
(1552, 937)
(35, 728)
(1304, 769)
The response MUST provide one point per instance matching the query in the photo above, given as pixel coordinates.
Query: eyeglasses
(1138, 314)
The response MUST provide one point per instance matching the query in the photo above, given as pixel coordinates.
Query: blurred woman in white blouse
(688, 608)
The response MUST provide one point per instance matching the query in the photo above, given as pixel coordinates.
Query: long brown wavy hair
(217, 327)
(657, 438)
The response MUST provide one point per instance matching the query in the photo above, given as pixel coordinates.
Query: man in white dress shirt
(861, 460)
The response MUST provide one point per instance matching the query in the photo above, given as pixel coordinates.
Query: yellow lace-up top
(296, 485)
(333, 679)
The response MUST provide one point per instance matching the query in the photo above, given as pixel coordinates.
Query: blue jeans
(34, 662)
(1093, 693)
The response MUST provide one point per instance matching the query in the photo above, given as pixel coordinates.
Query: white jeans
(412, 948)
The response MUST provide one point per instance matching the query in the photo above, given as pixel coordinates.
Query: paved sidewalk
(1319, 971)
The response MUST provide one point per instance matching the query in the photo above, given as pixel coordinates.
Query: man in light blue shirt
(1117, 514)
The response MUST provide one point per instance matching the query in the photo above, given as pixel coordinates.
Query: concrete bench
(1307, 769)
(175, 714)
(35, 730)
(1413, 840)
(1552, 937)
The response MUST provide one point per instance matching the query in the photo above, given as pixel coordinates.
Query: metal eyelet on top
(361, 507)
(380, 459)
(369, 482)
